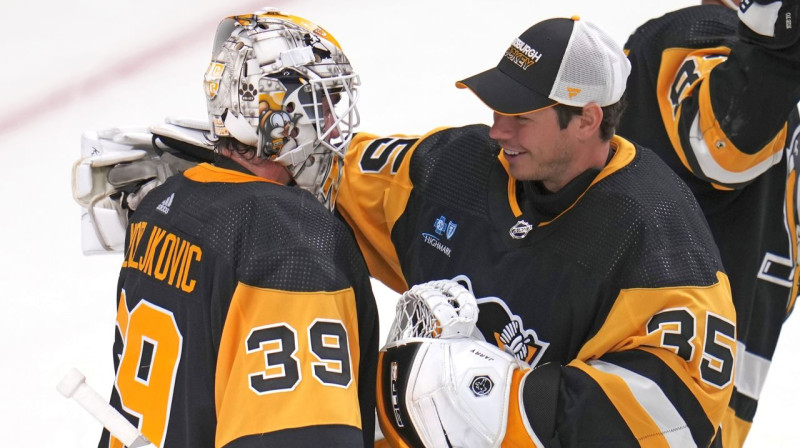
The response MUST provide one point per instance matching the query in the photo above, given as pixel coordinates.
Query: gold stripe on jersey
(674, 86)
(722, 162)
(245, 362)
(519, 434)
(734, 429)
(371, 203)
(626, 328)
(205, 172)
(624, 152)
(512, 187)
(643, 427)
(790, 214)
(725, 153)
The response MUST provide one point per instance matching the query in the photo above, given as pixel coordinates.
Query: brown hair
(608, 126)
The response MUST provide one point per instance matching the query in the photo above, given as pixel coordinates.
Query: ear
(588, 123)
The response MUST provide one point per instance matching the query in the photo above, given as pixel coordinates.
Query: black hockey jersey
(616, 285)
(245, 318)
(715, 109)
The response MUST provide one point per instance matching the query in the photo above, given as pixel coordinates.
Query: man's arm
(658, 372)
(725, 108)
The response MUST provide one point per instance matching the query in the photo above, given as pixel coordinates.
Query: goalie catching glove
(119, 166)
(439, 387)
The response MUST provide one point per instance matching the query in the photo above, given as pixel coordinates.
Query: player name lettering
(162, 255)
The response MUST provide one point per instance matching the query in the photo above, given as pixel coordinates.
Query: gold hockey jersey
(612, 288)
(245, 318)
(715, 110)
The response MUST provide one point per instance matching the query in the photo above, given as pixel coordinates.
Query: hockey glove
(436, 309)
(769, 23)
(445, 392)
(440, 384)
(119, 166)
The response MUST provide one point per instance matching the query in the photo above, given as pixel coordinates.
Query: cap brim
(503, 94)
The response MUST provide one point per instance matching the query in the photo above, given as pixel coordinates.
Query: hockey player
(711, 94)
(245, 314)
(592, 261)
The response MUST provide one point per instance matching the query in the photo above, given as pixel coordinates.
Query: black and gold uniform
(612, 288)
(715, 109)
(245, 318)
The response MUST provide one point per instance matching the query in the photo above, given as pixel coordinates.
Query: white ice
(78, 65)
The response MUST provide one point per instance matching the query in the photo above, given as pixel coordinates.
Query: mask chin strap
(296, 158)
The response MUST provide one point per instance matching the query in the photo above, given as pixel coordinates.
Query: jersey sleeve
(658, 373)
(290, 368)
(725, 109)
(373, 195)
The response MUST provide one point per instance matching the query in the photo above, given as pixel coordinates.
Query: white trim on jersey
(713, 170)
(650, 396)
(751, 372)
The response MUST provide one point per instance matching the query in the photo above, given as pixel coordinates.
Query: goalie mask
(283, 85)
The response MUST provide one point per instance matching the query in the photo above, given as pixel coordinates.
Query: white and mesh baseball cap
(567, 61)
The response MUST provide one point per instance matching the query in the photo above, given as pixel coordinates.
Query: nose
(501, 129)
(329, 122)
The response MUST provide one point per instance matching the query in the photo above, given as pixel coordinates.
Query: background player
(711, 94)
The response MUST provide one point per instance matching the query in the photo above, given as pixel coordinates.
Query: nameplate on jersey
(162, 255)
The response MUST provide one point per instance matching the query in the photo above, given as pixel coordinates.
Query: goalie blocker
(449, 392)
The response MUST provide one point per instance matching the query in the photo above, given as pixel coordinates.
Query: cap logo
(522, 54)
(573, 91)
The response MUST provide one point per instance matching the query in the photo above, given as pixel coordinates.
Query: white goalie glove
(119, 166)
(437, 309)
(438, 385)
(773, 24)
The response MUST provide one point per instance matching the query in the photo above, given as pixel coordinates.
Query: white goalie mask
(283, 85)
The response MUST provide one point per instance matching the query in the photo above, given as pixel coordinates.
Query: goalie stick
(74, 386)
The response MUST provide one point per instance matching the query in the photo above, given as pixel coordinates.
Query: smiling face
(536, 148)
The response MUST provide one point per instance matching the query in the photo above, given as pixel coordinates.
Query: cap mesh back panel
(583, 68)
